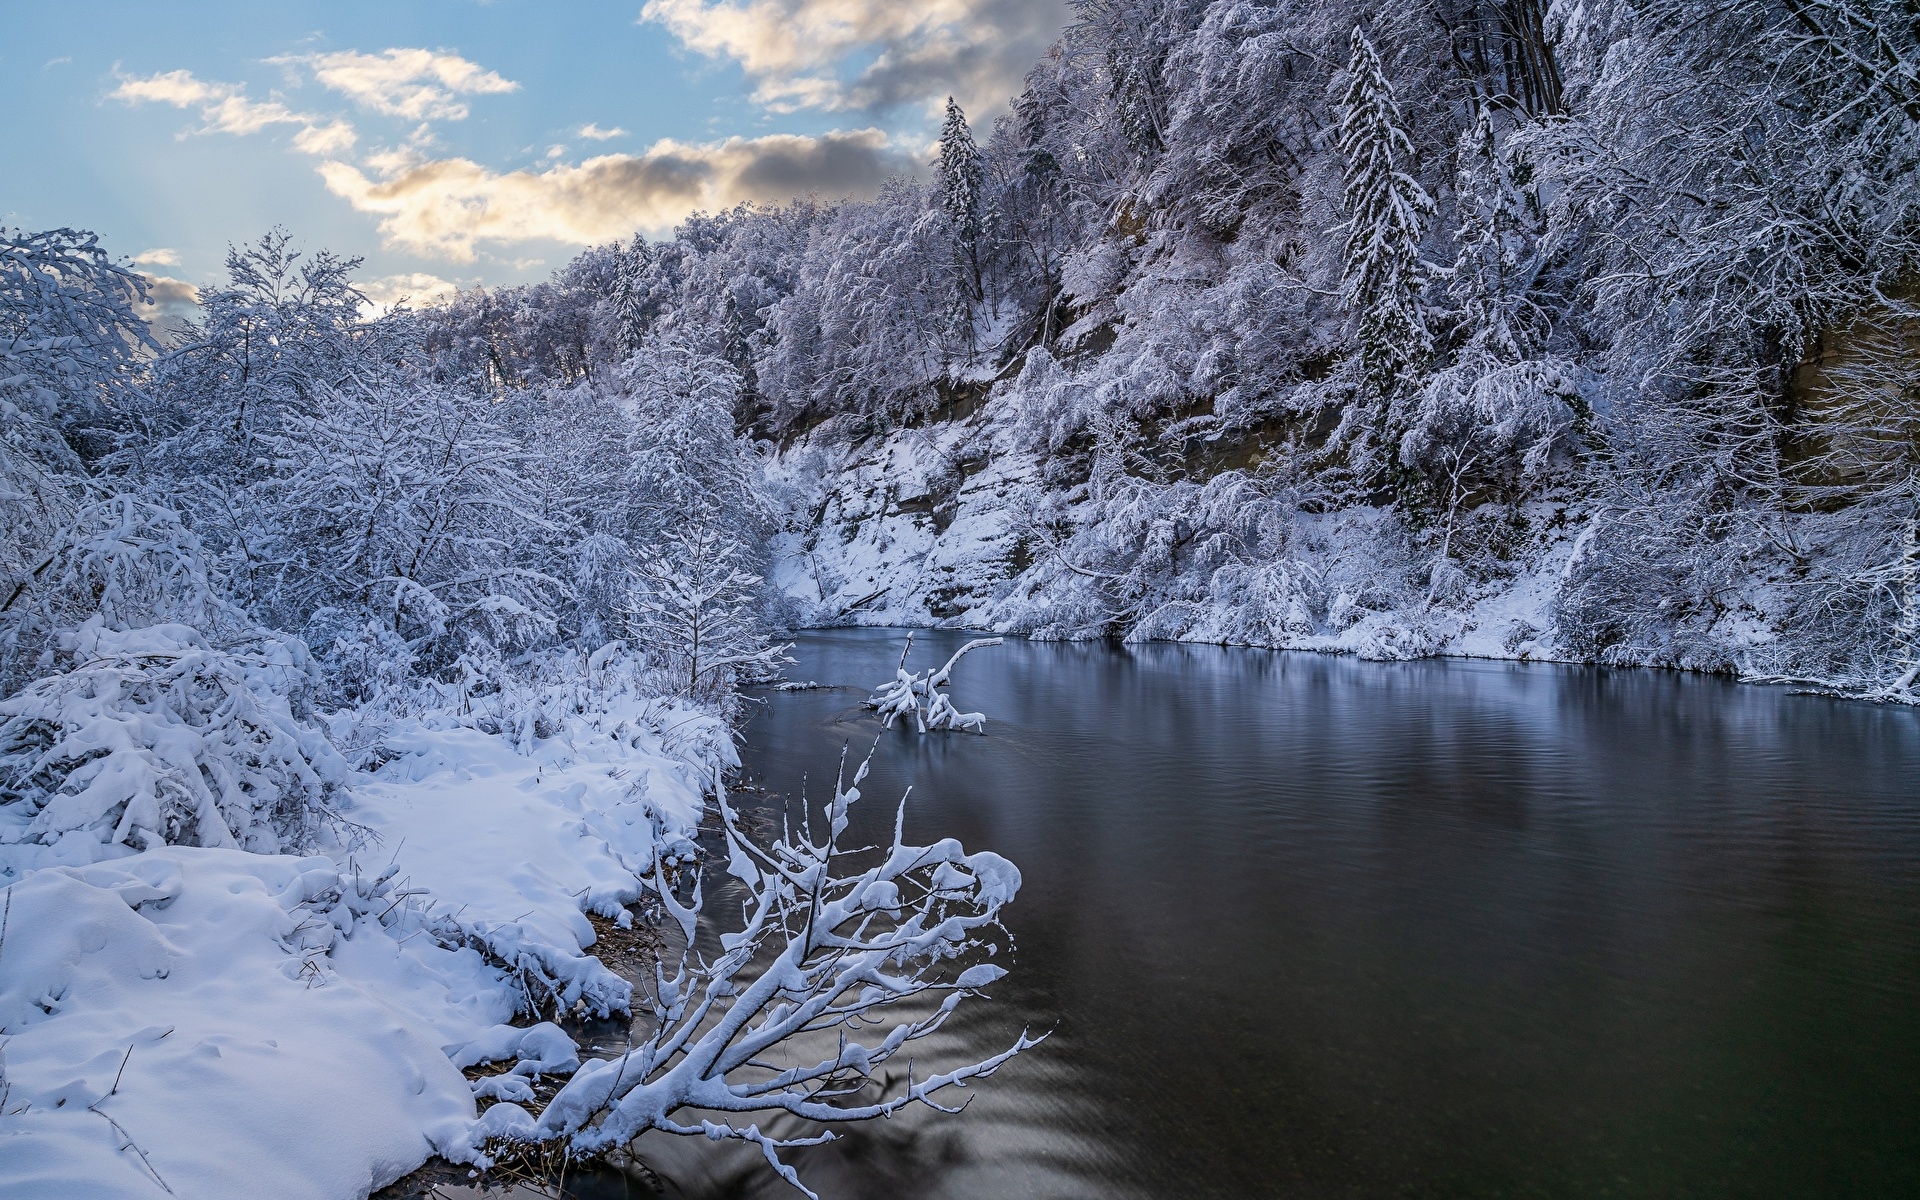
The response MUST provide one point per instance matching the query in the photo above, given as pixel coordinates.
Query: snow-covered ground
(216, 1023)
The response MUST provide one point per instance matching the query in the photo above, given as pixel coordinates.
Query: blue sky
(457, 142)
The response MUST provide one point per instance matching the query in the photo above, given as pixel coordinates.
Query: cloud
(327, 141)
(420, 85)
(444, 207)
(174, 300)
(594, 132)
(797, 51)
(159, 256)
(226, 108)
(415, 288)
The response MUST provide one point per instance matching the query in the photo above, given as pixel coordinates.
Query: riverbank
(205, 1021)
(952, 524)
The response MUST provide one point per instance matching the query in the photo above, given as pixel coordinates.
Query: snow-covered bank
(954, 524)
(300, 1023)
(183, 1019)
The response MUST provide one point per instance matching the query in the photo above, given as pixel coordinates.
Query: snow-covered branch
(831, 941)
(919, 696)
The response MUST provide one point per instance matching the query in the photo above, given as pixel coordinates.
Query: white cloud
(226, 108)
(415, 288)
(444, 207)
(420, 85)
(595, 133)
(914, 53)
(178, 88)
(329, 140)
(159, 256)
(173, 300)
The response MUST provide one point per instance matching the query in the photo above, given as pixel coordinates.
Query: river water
(1305, 926)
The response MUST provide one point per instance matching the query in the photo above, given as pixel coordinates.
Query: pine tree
(1387, 211)
(962, 175)
(629, 305)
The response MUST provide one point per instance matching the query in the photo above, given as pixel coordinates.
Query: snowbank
(950, 525)
(177, 1017)
(296, 1026)
(514, 849)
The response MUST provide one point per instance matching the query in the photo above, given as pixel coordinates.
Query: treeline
(1219, 265)
(1657, 257)
(289, 467)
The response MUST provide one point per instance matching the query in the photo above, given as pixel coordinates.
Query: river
(1305, 926)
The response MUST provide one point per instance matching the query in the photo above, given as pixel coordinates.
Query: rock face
(917, 528)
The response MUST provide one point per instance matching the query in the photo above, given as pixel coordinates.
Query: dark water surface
(1307, 926)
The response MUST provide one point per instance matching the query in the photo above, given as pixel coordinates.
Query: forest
(1581, 330)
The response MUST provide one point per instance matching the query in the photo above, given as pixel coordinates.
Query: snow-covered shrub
(1648, 582)
(126, 561)
(162, 714)
(831, 943)
(155, 737)
(69, 341)
(1483, 422)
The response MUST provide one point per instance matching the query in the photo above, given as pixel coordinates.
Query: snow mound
(156, 737)
(178, 1017)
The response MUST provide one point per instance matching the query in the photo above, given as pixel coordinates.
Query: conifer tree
(1387, 211)
(629, 315)
(962, 174)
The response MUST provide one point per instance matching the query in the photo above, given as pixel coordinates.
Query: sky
(462, 142)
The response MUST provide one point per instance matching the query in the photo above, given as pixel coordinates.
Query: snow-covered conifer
(1387, 215)
(962, 177)
(630, 297)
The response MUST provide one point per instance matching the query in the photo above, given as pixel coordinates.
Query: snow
(299, 1024)
(1356, 588)
(516, 849)
(244, 1067)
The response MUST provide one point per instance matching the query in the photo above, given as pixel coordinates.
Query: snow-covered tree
(695, 611)
(70, 341)
(1494, 264)
(1387, 214)
(284, 324)
(962, 177)
(683, 455)
(630, 316)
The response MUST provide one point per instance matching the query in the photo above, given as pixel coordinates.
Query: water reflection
(1309, 926)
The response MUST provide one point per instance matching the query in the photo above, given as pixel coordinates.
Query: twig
(121, 1130)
